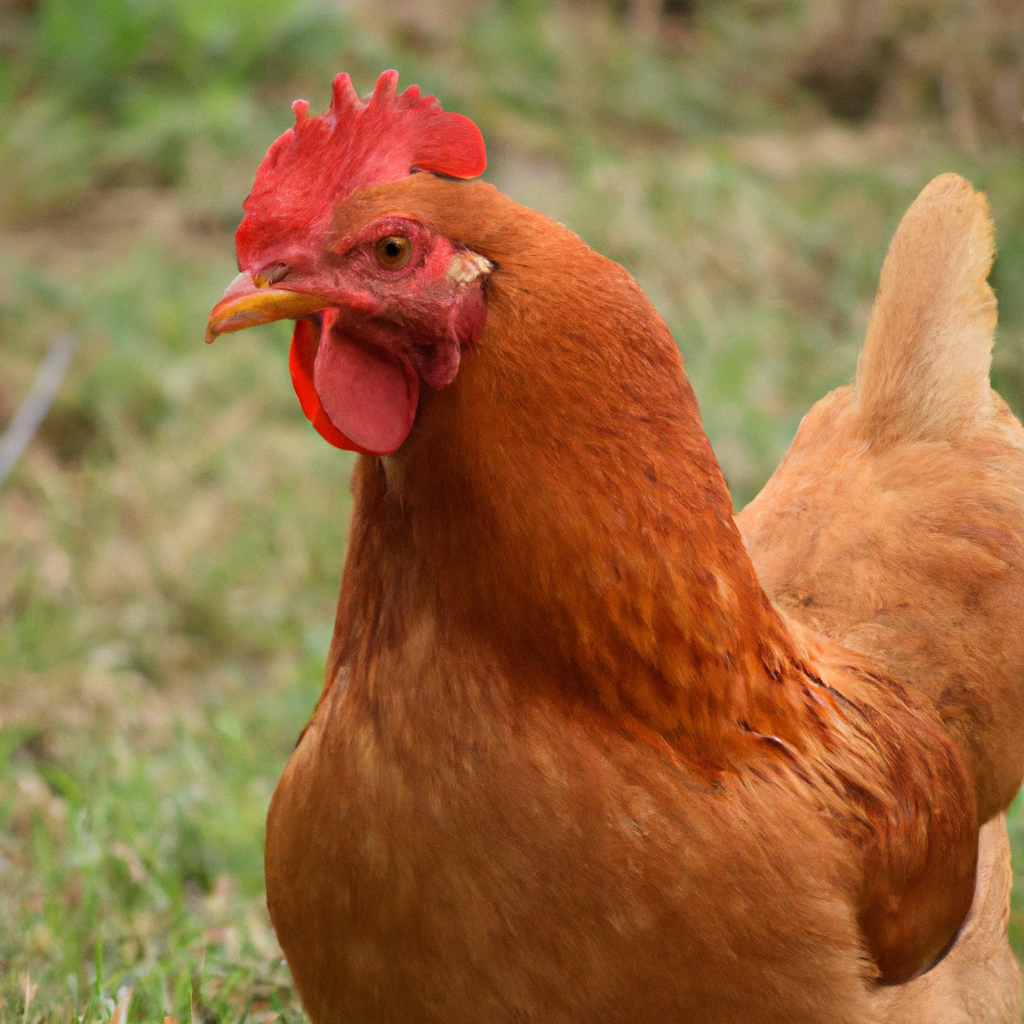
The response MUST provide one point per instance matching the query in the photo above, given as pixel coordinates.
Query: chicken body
(533, 865)
(571, 763)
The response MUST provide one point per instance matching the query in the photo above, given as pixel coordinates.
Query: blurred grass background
(171, 542)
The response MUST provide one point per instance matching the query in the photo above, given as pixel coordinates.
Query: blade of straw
(36, 405)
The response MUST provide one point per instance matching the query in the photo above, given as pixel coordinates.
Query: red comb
(323, 160)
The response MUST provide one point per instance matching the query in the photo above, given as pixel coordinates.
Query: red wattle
(368, 393)
(301, 360)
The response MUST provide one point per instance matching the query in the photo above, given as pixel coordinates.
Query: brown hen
(570, 762)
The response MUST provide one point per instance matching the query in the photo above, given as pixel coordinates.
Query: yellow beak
(247, 303)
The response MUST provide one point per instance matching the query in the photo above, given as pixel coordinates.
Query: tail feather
(924, 368)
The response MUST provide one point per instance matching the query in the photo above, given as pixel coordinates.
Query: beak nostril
(270, 275)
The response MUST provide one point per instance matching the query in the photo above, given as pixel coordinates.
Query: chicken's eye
(393, 251)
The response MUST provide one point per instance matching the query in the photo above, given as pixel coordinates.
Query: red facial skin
(418, 311)
(419, 316)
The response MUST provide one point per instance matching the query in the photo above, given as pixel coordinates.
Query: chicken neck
(560, 505)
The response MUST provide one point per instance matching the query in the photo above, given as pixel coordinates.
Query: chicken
(570, 762)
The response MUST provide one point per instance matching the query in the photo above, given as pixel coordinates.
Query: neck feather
(560, 505)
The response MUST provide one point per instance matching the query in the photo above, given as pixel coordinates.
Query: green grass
(171, 543)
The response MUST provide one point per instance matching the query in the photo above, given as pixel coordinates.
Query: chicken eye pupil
(394, 251)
